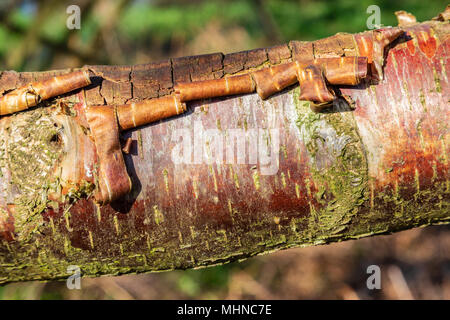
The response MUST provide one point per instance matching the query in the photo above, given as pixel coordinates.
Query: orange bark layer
(215, 88)
(312, 84)
(274, 79)
(147, 111)
(381, 40)
(346, 71)
(113, 179)
(33, 93)
(444, 16)
(405, 18)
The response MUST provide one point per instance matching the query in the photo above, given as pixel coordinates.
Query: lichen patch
(338, 165)
(30, 150)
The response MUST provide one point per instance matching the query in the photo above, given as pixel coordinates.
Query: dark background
(34, 37)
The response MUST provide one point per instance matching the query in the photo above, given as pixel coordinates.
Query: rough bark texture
(378, 166)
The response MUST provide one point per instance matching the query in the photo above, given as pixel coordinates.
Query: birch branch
(234, 176)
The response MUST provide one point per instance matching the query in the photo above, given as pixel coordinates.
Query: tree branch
(377, 165)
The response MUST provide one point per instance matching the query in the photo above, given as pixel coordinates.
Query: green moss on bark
(30, 152)
(338, 165)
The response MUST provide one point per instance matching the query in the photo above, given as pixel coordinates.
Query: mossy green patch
(30, 152)
(338, 165)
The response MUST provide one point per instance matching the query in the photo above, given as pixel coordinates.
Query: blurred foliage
(34, 36)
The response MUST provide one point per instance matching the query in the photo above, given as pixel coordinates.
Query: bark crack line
(171, 74)
(131, 83)
(102, 75)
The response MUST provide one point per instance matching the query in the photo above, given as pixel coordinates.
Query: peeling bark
(376, 165)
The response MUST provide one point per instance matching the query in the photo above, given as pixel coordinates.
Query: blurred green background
(34, 37)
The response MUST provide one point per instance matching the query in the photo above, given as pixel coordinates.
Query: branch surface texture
(203, 160)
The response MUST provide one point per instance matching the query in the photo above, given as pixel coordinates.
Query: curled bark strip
(381, 39)
(347, 71)
(445, 15)
(372, 45)
(147, 111)
(274, 79)
(215, 88)
(127, 147)
(33, 93)
(312, 84)
(338, 71)
(268, 81)
(113, 179)
(364, 43)
(405, 18)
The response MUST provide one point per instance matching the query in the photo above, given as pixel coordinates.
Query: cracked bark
(376, 167)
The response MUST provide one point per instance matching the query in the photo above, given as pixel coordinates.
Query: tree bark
(375, 166)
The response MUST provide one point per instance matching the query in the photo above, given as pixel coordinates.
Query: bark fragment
(147, 111)
(312, 84)
(227, 86)
(445, 15)
(345, 71)
(405, 18)
(274, 79)
(32, 94)
(113, 179)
